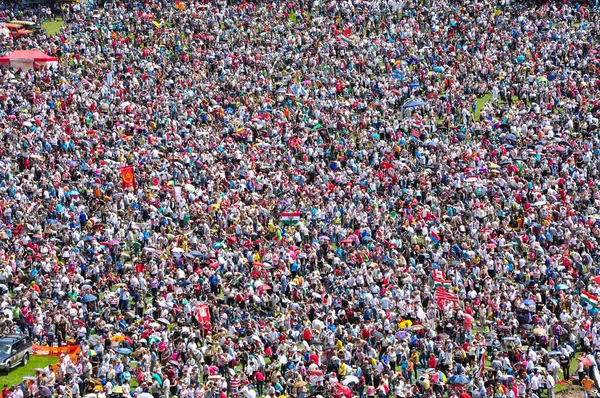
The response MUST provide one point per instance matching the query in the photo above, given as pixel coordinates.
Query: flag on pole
(441, 296)
(290, 218)
(446, 284)
(435, 238)
(481, 365)
(441, 293)
(398, 74)
(128, 177)
(589, 298)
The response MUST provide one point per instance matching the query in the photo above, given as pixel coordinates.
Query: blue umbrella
(562, 286)
(124, 351)
(88, 238)
(185, 283)
(413, 85)
(88, 298)
(459, 379)
(529, 302)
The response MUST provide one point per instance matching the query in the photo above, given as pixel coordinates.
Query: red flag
(442, 294)
(128, 177)
(203, 314)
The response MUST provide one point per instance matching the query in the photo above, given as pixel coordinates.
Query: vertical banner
(128, 177)
(177, 190)
(202, 313)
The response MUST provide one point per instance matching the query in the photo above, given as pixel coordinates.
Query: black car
(15, 349)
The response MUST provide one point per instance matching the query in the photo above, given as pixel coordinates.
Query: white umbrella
(349, 380)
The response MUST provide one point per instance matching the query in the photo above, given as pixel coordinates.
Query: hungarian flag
(128, 177)
(446, 284)
(417, 122)
(345, 39)
(590, 299)
(290, 218)
(203, 314)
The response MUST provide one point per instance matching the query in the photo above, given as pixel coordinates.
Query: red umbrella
(264, 287)
(596, 279)
(585, 361)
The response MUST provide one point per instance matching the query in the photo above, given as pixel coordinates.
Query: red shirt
(432, 363)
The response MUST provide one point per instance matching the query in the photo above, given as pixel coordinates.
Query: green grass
(16, 375)
(53, 27)
(480, 104)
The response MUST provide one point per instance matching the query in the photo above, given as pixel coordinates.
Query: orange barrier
(45, 351)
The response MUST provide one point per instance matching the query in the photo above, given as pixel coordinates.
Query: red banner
(128, 177)
(203, 314)
(45, 351)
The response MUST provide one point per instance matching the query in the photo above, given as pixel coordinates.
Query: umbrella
(145, 395)
(174, 363)
(350, 380)
(184, 283)
(117, 390)
(124, 351)
(29, 378)
(45, 391)
(88, 298)
(539, 332)
(459, 379)
(189, 188)
(163, 321)
(299, 384)
(562, 286)
(529, 302)
(153, 338)
(596, 279)
(585, 361)
(405, 324)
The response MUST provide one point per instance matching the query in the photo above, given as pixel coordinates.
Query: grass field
(16, 375)
(52, 27)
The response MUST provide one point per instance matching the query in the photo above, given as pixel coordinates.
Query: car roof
(10, 338)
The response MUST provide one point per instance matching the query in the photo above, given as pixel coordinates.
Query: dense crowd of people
(326, 198)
